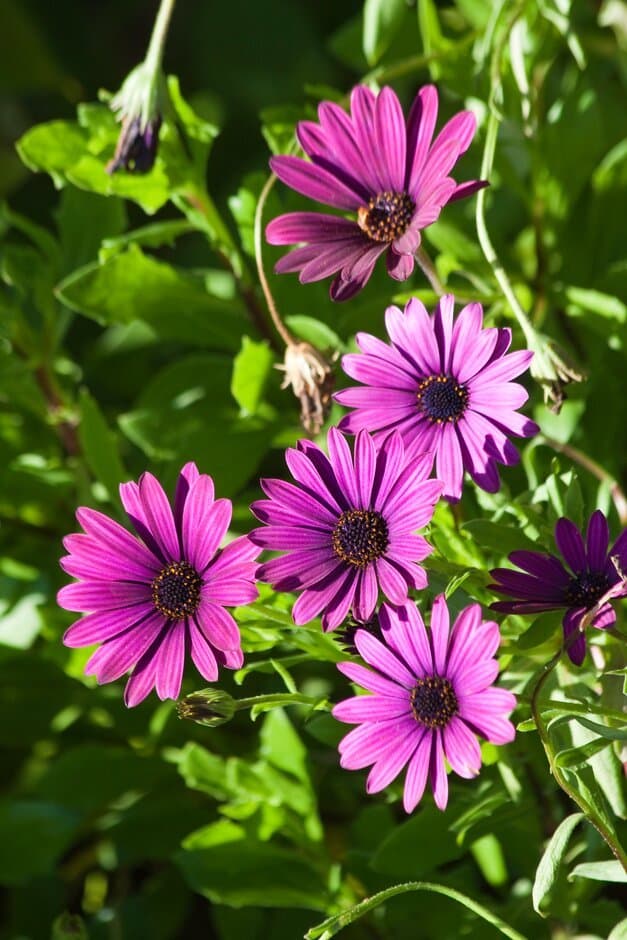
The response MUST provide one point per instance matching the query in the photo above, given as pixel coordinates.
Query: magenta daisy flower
(150, 599)
(347, 526)
(445, 384)
(432, 692)
(386, 172)
(577, 585)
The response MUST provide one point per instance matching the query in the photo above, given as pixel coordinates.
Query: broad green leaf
(574, 757)
(611, 870)
(382, 20)
(551, 861)
(497, 536)
(281, 746)
(582, 300)
(251, 369)
(333, 925)
(33, 834)
(488, 855)
(544, 628)
(155, 235)
(315, 332)
(397, 856)
(100, 446)
(131, 285)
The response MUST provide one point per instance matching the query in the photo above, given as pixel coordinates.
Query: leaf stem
(278, 699)
(280, 327)
(154, 56)
(428, 269)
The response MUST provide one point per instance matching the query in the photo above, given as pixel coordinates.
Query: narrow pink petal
(486, 713)
(399, 266)
(373, 681)
(116, 537)
(597, 540)
(202, 654)
(417, 771)
(341, 461)
(100, 627)
(132, 502)
(317, 596)
(366, 595)
(440, 622)
(369, 708)
(404, 632)
(381, 658)
(437, 772)
(420, 127)
(305, 472)
(461, 748)
(570, 543)
(295, 227)
(239, 554)
(363, 106)
(205, 525)
(187, 477)
(505, 368)
(365, 464)
(391, 137)
(142, 680)
(159, 516)
(338, 607)
(315, 182)
(366, 743)
(337, 256)
(449, 462)
(230, 592)
(217, 625)
(170, 660)
(92, 596)
(393, 585)
(119, 655)
(390, 764)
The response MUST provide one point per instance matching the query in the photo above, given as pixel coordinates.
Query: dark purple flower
(136, 149)
(579, 586)
(384, 171)
(445, 384)
(150, 599)
(347, 526)
(431, 694)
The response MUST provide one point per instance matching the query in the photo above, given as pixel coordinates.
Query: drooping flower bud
(209, 707)
(139, 105)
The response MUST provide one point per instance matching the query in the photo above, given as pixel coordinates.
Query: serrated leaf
(551, 860)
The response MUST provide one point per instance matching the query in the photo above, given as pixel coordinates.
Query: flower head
(139, 105)
(582, 584)
(311, 378)
(346, 526)
(445, 384)
(384, 171)
(148, 599)
(432, 692)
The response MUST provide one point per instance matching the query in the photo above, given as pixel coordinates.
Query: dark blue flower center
(176, 591)
(433, 701)
(360, 536)
(345, 634)
(585, 589)
(387, 216)
(441, 398)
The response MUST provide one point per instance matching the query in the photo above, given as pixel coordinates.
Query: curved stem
(428, 269)
(589, 811)
(616, 492)
(159, 34)
(278, 699)
(280, 327)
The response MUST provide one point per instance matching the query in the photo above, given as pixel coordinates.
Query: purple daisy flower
(432, 693)
(579, 585)
(149, 599)
(383, 170)
(347, 527)
(445, 384)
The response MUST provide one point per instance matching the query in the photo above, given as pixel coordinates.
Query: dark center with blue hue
(433, 701)
(585, 589)
(387, 216)
(360, 536)
(176, 591)
(441, 398)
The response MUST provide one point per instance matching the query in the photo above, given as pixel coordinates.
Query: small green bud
(209, 707)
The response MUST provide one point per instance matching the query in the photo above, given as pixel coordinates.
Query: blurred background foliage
(133, 336)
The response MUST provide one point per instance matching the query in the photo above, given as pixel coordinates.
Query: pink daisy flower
(445, 384)
(347, 526)
(150, 599)
(431, 693)
(385, 171)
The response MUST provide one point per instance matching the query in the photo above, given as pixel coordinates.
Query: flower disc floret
(431, 692)
(582, 582)
(176, 591)
(360, 536)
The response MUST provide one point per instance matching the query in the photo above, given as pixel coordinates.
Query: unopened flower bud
(139, 105)
(312, 380)
(209, 707)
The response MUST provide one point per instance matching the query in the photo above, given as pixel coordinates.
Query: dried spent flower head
(312, 380)
(208, 707)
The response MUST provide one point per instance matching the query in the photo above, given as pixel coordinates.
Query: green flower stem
(279, 326)
(577, 456)
(428, 269)
(332, 925)
(279, 699)
(586, 808)
(154, 56)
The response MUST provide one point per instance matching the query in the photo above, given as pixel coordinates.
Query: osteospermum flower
(346, 526)
(150, 599)
(432, 692)
(384, 171)
(445, 384)
(588, 574)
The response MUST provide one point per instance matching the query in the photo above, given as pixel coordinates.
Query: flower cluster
(349, 528)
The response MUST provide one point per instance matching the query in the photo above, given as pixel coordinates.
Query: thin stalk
(428, 269)
(154, 56)
(280, 327)
(278, 698)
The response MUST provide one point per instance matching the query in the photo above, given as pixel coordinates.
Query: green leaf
(573, 757)
(185, 413)
(397, 856)
(131, 285)
(100, 446)
(332, 926)
(612, 870)
(251, 369)
(155, 235)
(583, 300)
(544, 628)
(619, 932)
(612, 734)
(497, 536)
(282, 747)
(32, 837)
(551, 861)
(315, 332)
(382, 20)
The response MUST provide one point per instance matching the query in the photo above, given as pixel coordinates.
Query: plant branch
(280, 327)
